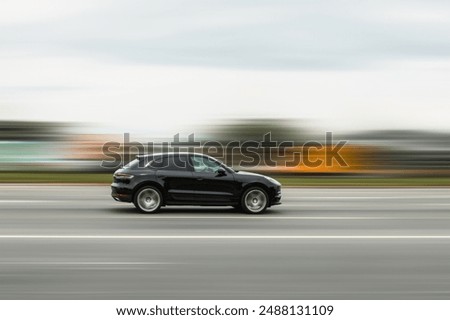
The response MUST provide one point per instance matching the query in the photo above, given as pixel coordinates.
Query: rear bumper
(121, 194)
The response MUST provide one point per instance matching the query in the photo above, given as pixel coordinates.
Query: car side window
(203, 164)
(174, 163)
(159, 163)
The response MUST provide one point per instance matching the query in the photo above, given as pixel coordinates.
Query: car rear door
(175, 174)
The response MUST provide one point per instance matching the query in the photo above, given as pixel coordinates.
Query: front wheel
(254, 200)
(148, 200)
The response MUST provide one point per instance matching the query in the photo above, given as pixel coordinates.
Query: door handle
(199, 179)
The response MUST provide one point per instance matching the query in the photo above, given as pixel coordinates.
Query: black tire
(254, 200)
(148, 199)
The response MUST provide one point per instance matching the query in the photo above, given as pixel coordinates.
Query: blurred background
(75, 75)
(64, 152)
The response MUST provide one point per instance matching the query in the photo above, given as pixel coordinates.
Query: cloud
(244, 34)
(16, 12)
(351, 64)
(136, 97)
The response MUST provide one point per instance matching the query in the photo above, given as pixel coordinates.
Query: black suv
(152, 181)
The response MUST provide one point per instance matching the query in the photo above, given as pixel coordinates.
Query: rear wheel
(254, 200)
(148, 199)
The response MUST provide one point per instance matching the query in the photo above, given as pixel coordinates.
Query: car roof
(170, 154)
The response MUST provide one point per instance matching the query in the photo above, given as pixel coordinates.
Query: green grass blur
(54, 177)
(364, 182)
(294, 181)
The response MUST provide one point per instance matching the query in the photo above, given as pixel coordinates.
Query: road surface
(76, 242)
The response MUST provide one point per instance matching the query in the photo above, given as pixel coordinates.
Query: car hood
(266, 178)
(247, 173)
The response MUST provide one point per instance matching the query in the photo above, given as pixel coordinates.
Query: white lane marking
(30, 201)
(378, 190)
(82, 263)
(278, 218)
(286, 198)
(182, 217)
(242, 237)
(368, 197)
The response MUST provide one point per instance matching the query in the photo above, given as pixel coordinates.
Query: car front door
(212, 182)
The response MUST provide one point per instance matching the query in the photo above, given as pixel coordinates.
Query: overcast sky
(160, 65)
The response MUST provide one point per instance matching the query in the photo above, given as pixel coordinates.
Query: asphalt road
(75, 242)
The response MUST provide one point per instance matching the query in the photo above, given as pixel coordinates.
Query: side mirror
(221, 172)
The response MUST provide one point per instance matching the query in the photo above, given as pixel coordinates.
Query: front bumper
(276, 199)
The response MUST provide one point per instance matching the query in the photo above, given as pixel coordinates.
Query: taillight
(123, 176)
